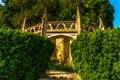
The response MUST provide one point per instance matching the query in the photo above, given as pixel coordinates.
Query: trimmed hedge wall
(23, 56)
(96, 55)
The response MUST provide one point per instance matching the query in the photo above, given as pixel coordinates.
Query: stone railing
(61, 26)
(88, 27)
(36, 28)
(54, 26)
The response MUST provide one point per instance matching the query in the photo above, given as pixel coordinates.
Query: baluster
(50, 26)
(72, 26)
(76, 26)
(39, 27)
(64, 25)
(58, 26)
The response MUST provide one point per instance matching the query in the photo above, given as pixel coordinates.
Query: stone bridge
(61, 33)
(54, 28)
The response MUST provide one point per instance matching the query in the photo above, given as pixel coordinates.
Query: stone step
(60, 75)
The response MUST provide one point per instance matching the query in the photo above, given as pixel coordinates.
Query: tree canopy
(14, 11)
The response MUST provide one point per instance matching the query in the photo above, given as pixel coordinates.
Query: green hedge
(23, 56)
(60, 67)
(96, 55)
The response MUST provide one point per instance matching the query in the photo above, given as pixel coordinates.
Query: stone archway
(62, 53)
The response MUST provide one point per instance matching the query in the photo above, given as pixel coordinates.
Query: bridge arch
(70, 37)
(62, 52)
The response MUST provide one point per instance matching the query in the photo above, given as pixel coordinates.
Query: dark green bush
(96, 55)
(60, 67)
(23, 56)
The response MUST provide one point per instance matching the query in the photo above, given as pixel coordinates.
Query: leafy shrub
(96, 55)
(23, 56)
(60, 67)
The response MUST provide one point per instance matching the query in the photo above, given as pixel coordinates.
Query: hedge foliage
(60, 67)
(96, 55)
(23, 56)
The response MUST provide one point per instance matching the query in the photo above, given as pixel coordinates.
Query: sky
(0, 2)
(116, 5)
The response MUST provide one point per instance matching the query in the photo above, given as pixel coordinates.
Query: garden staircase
(60, 75)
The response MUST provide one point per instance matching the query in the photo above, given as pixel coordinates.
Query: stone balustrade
(36, 28)
(60, 26)
(54, 26)
(88, 28)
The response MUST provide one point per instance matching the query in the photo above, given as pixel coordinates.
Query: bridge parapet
(36, 28)
(88, 27)
(55, 26)
(61, 26)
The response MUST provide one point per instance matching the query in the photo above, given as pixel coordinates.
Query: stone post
(101, 25)
(23, 25)
(44, 23)
(78, 20)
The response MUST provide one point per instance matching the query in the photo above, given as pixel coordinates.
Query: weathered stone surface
(60, 75)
